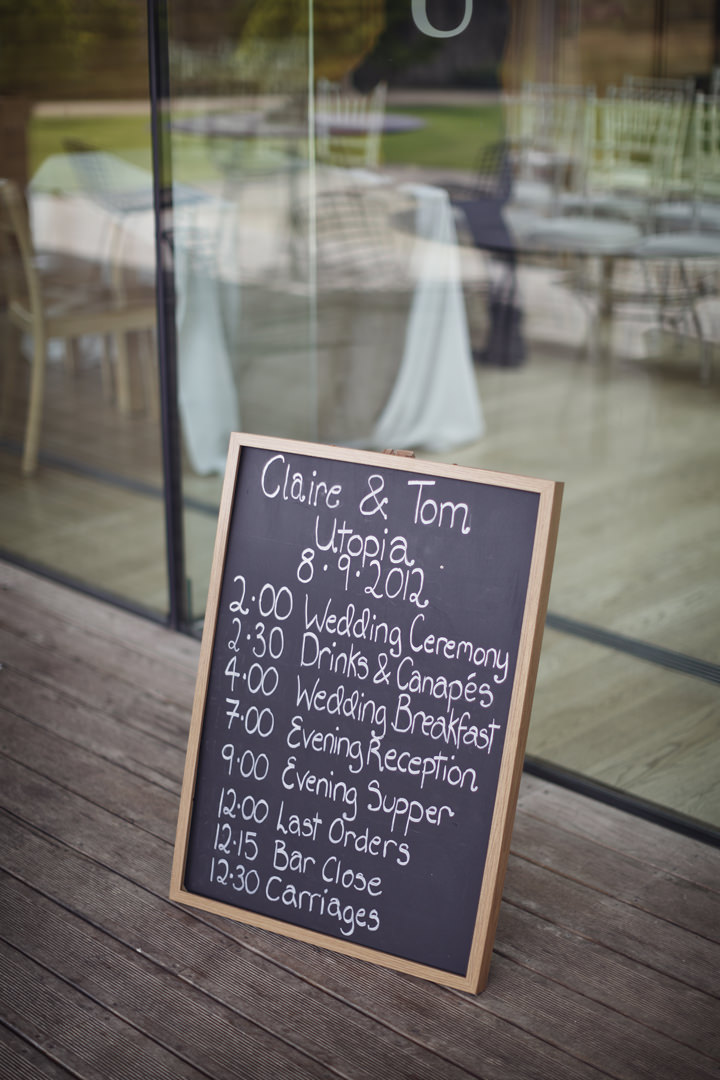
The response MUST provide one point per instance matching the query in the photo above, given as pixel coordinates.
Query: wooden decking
(607, 957)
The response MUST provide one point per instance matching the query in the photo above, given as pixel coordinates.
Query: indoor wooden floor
(606, 958)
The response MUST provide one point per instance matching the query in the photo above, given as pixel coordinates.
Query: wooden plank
(44, 598)
(198, 1028)
(101, 782)
(656, 891)
(140, 752)
(594, 1033)
(376, 989)
(682, 909)
(73, 678)
(269, 996)
(174, 940)
(663, 838)
(659, 945)
(543, 1008)
(83, 825)
(20, 1060)
(75, 1031)
(97, 651)
(662, 1003)
(651, 844)
(565, 944)
(199, 954)
(51, 756)
(449, 1027)
(663, 942)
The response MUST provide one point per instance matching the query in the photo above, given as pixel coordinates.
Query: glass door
(81, 480)
(243, 174)
(489, 233)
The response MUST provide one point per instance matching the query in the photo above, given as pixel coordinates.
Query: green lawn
(451, 137)
(127, 135)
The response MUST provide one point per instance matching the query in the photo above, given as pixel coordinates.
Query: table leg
(603, 346)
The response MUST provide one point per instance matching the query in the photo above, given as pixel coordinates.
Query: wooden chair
(706, 147)
(547, 130)
(57, 309)
(639, 141)
(658, 87)
(349, 125)
(694, 205)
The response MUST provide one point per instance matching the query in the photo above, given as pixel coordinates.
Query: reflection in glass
(79, 450)
(245, 325)
(499, 246)
(317, 296)
(567, 146)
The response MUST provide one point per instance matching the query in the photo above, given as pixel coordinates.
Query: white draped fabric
(207, 395)
(434, 402)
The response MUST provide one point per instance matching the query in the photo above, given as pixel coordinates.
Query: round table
(510, 230)
(262, 126)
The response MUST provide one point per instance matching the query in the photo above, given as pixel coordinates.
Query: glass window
(485, 230)
(82, 485)
(488, 231)
(575, 143)
(243, 177)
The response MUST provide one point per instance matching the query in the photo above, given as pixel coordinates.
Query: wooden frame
(510, 763)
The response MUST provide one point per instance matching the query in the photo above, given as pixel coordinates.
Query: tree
(63, 49)
(345, 31)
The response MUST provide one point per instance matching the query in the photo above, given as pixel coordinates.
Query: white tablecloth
(434, 402)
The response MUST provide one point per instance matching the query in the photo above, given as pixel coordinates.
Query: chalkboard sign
(369, 654)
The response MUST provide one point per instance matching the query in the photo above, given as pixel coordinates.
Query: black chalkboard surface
(368, 660)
